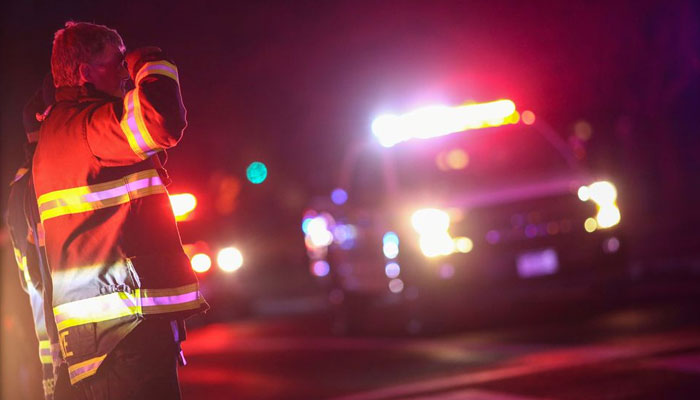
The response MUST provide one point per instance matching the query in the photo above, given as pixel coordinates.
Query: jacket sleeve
(150, 118)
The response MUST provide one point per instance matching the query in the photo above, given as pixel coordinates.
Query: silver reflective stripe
(121, 304)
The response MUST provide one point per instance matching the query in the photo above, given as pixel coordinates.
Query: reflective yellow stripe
(122, 304)
(158, 68)
(101, 195)
(128, 131)
(45, 352)
(138, 113)
(82, 370)
(132, 123)
(96, 309)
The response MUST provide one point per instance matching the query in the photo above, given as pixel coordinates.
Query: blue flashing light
(305, 225)
(339, 196)
(256, 172)
(390, 237)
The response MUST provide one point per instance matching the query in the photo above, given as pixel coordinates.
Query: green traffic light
(256, 172)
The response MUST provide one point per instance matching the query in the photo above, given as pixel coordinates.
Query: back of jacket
(111, 238)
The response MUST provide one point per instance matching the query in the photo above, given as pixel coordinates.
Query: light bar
(434, 121)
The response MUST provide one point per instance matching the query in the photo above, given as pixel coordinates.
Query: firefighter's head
(89, 53)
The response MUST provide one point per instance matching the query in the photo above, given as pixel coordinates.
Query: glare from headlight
(608, 216)
(604, 195)
(603, 192)
(200, 262)
(435, 245)
(430, 220)
(229, 259)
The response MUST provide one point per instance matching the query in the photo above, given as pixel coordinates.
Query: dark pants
(142, 366)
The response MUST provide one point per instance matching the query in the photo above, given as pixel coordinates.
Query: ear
(85, 72)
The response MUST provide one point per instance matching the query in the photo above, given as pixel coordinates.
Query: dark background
(295, 83)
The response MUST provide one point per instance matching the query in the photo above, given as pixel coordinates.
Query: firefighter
(27, 242)
(122, 284)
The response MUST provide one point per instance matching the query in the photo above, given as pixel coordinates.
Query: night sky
(295, 83)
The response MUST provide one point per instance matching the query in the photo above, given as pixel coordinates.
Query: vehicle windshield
(467, 161)
(476, 160)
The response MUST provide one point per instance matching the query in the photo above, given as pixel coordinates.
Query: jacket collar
(80, 93)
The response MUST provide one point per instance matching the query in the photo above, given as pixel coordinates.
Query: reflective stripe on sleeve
(158, 68)
(134, 128)
(121, 304)
(101, 195)
(132, 123)
(80, 371)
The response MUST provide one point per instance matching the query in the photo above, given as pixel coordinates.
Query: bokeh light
(390, 245)
(318, 233)
(339, 196)
(528, 117)
(584, 193)
(396, 286)
(583, 130)
(463, 244)
(436, 244)
(611, 245)
(603, 192)
(320, 268)
(392, 270)
(200, 262)
(428, 220)
(608, 216)
(183, 204)
(590, 225)
(457, 159)
(256, 172)
(447, 271)
(229, 259)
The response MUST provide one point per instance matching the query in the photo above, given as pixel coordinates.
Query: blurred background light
(392, 270)
(608, 216)
(320, 268)
(457, 159)
(229, 259)
(447, 271)
(528, 117)
(256, 172)
(463, 244)
(590, 225)
(318, 233)
(611, 245)
(603, 192)
(429, 220)
(436, 244)
(390, 245)
(200, 262)
(396, 285)
(339, 196)
(183, 204)
(391, 250)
